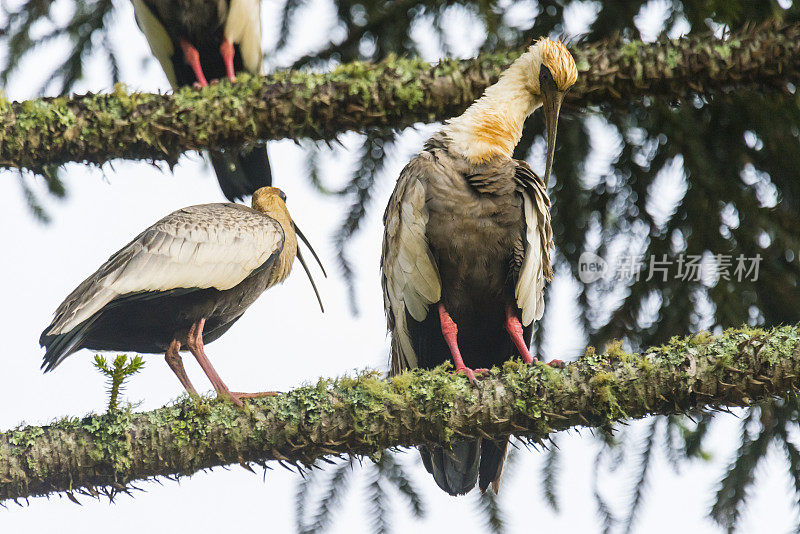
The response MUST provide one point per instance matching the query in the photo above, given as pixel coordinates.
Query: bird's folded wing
(410, 277)
(212, 245)
(157, 37)
(538, 241)
(243, 27)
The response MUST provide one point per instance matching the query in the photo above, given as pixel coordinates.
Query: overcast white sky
(283, 341)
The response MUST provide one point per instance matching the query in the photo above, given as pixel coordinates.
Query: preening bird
(466, 246)
(200, 40)
(183, 282)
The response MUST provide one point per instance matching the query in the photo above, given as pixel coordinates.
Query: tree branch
(394, 93)
(364, 415)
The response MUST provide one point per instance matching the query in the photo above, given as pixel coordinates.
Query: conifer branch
(366, 414)
(395, 93)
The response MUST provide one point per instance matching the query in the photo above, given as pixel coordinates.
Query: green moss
(672, 58)
(779, 343)
(726, 48)
(645, 365)
(615, 353)
(604, 395)
(187, 422)
(590, 356)
(365, 414)
(630, 50)
(25, 437)
(110, 439)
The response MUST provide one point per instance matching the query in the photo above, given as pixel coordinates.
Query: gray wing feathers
(157, 37)
(410, 277)
(212, 245)
(536, 266)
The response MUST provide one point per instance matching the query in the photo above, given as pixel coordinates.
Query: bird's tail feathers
(59, 346)
(455, 470)
(241, 173)
(493, 456)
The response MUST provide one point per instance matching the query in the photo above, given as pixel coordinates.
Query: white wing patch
(536, 265)
(197, 247)
(157, 37)
(243, 26)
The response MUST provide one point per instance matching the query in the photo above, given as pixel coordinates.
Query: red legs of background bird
(514, 329)
(226, 50)
(192, 57)
(194, 341)
(450, 333)
(175, 363)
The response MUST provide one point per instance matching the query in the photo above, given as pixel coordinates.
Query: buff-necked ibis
(183, 282)
(197, 41)
(466, 248)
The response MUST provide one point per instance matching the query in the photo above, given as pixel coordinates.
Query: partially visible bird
(466, 246)
(183, 282)
(200, 40)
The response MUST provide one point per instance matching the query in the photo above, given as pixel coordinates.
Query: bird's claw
(558, 364)
(470, 373)
(237, 397)
(257, 395)
(231, 397)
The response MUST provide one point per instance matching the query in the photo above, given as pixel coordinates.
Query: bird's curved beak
(551, 105)
(305, 266)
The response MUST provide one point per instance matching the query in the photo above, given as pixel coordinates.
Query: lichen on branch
(395, 93)
(366, 414)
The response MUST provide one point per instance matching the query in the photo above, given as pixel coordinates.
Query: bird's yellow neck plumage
(493, 124)
(273, 206)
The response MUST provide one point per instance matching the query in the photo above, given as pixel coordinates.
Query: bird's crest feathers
(557, 58)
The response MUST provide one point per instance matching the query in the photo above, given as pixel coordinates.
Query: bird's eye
(282, 195)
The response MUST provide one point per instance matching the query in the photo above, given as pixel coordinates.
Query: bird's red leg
(192, 57)
(195, 344)
(450, 333)
(514, 328)
(175, 362)
(226, 50)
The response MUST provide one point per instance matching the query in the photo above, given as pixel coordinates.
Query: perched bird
(200, 40)
(466, 246)
(182, 282)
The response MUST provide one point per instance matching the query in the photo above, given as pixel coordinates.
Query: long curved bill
(551, 107)
(305, 265)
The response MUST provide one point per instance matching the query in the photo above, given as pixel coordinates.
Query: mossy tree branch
(365, 415)
(394, 93)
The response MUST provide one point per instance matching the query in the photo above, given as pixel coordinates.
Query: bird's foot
(257, 395)
(192, 57)
(226, 51)
(558, 364)
(236, 397)
(471, 373)
(228, 395)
